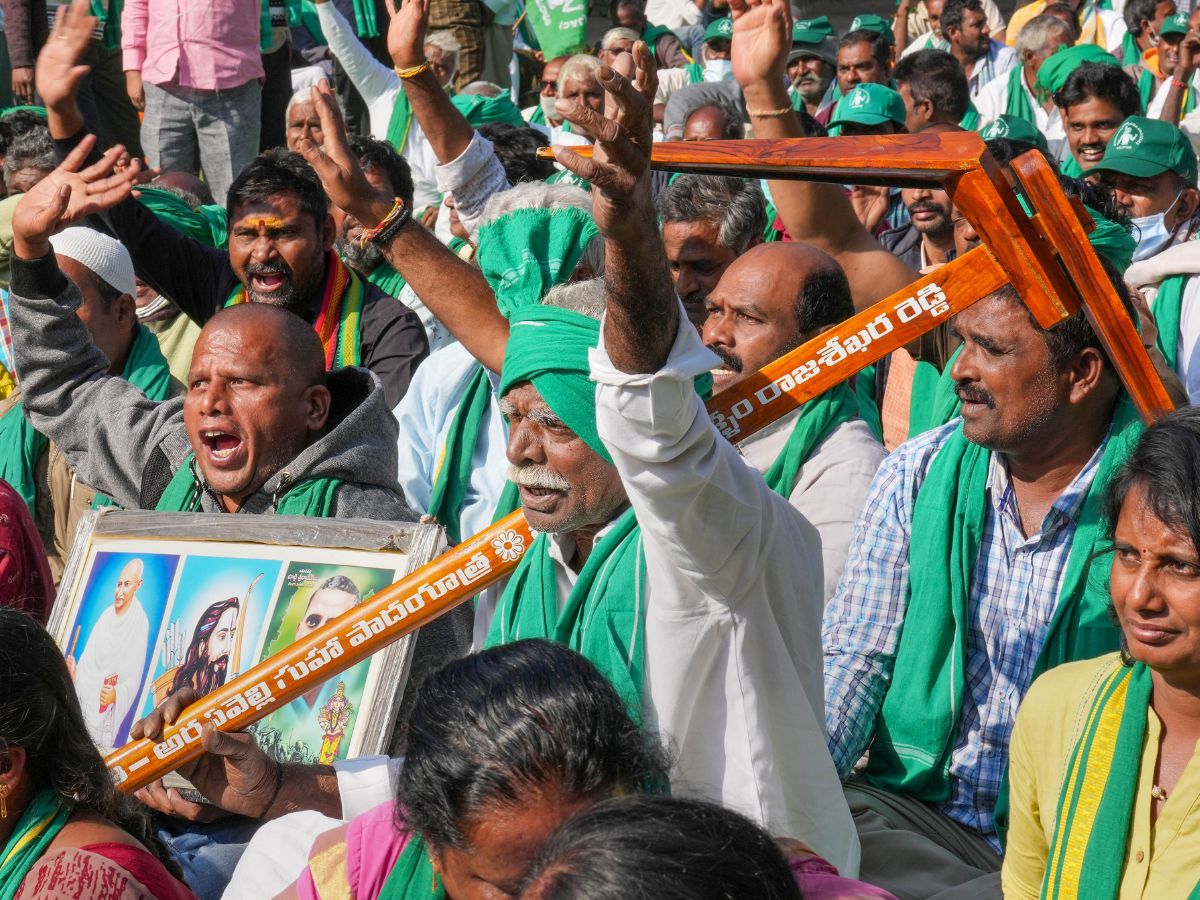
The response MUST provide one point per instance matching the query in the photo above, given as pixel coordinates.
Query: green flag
(560, 27)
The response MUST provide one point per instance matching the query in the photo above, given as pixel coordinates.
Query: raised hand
(341, 175)
(620, 163)
(59, 71)
(67, 195)
(762, 38)
(406, 33)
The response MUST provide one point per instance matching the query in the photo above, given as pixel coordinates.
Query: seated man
(280, 244)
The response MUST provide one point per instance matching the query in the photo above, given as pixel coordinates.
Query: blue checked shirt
(1014, 591)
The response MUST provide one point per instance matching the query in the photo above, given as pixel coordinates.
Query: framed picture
(152, 602)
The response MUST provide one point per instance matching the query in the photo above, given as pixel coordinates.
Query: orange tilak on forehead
(270, 223)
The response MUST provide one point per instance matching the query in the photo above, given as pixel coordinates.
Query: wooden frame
(1046, 257)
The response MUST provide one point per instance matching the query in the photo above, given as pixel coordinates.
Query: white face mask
(718, 70)
(1151, 232)
(548, 110)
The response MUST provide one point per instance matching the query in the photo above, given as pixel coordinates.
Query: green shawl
(1070, 167)
(1018, 100)
(412, 876)
(479, 110)
(387, 279)
(818, 419)
(1095, 808)
(918, 723)
(207, 224)
(21, 446)
(933, 402)
(651, 34)
(41, 822)
(1168, 307)
(311, 497)
(970, 119)
(1130, 54)
(146, 368)
(399, 123)
(603, 617)
(1146, 85)
(454, 469)
(695, 73)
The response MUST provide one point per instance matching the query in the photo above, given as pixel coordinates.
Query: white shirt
(1181, 258)
(673, 14)
(993, 101)
(108, 656)
(830, 487)
(733, 667)
(995, 64)
(425, 415)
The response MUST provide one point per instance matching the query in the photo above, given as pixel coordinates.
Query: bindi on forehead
(260, 223)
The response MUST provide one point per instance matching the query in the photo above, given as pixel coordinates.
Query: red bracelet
(1175, 82)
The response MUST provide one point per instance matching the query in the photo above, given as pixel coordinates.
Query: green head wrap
(480, 110)
(525, 253)
(1058, 68)
(1111, 241)
(549, 347)
(206, 224)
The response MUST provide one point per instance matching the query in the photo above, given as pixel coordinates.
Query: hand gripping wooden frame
(1045, 256)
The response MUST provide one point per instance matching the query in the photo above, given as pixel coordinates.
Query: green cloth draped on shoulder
(400, 122)
(818, 419)
(311, 497)
(110, 19)
(207, 224)
(1018, 100)
(651, 34)
(21, 446)
(387, 279)
(918, 723)
(39, 824)
(933, 402)
(412, 877)
(1167, 310)
(695, 73)
(970, 119)
(1095, 808)
(1147, 84)
(146, 369)
(603, 617)
(1131, 54)
(538, 116)
(453, 475)
(479, 110)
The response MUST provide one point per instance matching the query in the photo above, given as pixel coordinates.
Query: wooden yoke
(1046, 257)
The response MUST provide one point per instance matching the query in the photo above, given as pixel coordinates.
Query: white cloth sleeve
(365, 782)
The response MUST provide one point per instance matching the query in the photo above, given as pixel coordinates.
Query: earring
(4, 789)
(433, 885)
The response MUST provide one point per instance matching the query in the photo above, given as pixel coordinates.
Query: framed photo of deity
(152, 602)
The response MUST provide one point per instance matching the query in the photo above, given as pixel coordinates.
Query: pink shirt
(209, 46)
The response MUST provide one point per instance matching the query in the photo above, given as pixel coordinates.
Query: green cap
(872, 22)
(1143, 148)
(1176, 24)
(1058, 68)
(719, 30)
(870, 104)
(1014, 128)
(812, 31)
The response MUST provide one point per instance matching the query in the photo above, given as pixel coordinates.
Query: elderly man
(615, 42)
(934, 89)
(544, 113)
(965, 27)
(300, 120)
(1014, 95)
(1151, 169)
(280, 244)
(101, 271)
(716, 121)
(811, 67)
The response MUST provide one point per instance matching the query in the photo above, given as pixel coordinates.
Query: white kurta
(830, 487)
(115, 653)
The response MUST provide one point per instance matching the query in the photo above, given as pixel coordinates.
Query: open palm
(762, 37)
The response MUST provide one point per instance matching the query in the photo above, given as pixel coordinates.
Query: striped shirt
(1015, 585)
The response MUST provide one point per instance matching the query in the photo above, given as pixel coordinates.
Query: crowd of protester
(929, 635)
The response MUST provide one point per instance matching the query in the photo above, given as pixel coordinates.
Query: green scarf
(1146, 86)
(603, 617)
(479, 110)
(1130, 54)
(41, 822)
(399, 123)
(387, 279)
(651, 34)
(146, 369)
(865, 382)
(207, 224)
(364, 19)
(1070, 167)
(1055, 71)
(970, 120)
(933, 402)
(453, 475)
(1095, 808)
(918, 724)
(695, 73)
(1168, 307)
(817, 420)
(538, 116)
(111, 19)
(312, 497)
(1018, 100)
(21, 446)
(412, 877)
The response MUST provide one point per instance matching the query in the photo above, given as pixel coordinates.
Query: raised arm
(455, 291)
(818, 214)
(1181, 78)
(370, 77)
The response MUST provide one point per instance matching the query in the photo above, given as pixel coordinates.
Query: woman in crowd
(1104, 780)
(671, 849)
(25, 581)
(65, 831)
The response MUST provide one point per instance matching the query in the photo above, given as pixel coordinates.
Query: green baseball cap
(872, 22)
(1014, 128)
(814, 37)
(1144, 148)
(1176, 24)
(870, 104)
(719, 30)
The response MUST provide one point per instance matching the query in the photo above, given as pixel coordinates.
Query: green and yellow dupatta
(41, 822)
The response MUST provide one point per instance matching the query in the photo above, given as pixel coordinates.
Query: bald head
(280, 338)
(711, 123)
(770, 300)
(128, 583)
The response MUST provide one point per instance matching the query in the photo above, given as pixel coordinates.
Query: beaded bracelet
(413, 71)
(397, 217)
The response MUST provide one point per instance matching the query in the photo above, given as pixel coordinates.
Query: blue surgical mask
(1151, 232)
(718, 69)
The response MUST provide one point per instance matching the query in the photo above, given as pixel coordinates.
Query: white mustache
(541, 477)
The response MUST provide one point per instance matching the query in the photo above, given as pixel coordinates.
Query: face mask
(718, 69)
(1152, 36)
(548, 109)
(1151, 232)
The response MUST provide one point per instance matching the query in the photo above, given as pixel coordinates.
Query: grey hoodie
(128, 446)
